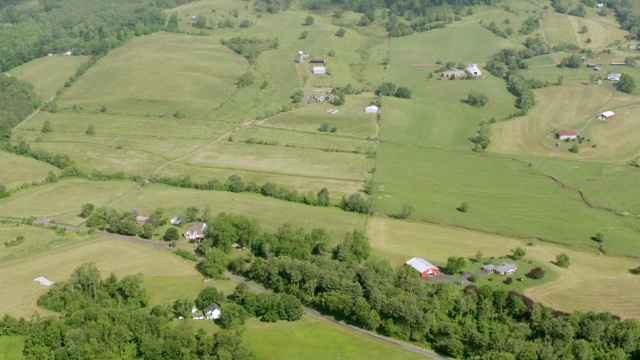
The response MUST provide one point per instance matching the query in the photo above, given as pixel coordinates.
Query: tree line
(17, 100)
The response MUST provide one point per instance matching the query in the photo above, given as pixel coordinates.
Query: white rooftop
(474, 70)
(420, 264)
(614, 77)
(608, 113)
(371, 109)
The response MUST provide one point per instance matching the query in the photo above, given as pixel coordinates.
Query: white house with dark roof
(502, 269)
(212, 312)
(196, 231)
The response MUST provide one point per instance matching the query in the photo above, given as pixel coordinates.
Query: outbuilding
(567, 134)
(614, 77)
(319, 70)
(506, 269)
(607, 115)
(371, 109)
(424, 267)
(473, 70)
(455, 73)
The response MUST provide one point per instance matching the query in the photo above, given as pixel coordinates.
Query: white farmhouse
(474, 70)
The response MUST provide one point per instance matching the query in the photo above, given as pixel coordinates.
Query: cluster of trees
(17, 100)
(89, 27)
(573, 61)
(479, 100)
(471, 322)
(111, 319)
(125, 223)
(628, 15)
(529, 25)
(269, 307)
(481, 141)
(626, 84)
(249, 48)
(235, 184)
(391, 89)
(272, 6)
(493, 27)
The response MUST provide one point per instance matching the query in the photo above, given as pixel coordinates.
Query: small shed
(319, 70)
(68, 53)
(474, 70)
(424, 267)
(317, 61)
(194, 17)
(614, 77)
(142, 219)
(600, 5)
(618, 63)
(592, 65)
(371, 109)
(607, 115)
(567, 134)
(176, 221)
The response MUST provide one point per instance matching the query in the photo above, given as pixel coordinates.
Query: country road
(260, 289)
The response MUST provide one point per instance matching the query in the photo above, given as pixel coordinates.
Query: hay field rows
(22, 170)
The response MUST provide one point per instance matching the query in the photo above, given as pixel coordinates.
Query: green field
(61, 197)
(37, 240)
(22, 170)
(11, 347)
(48, 74)
(311, 338)
(612, 289)
(122, 258)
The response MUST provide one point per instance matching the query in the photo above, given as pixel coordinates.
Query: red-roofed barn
(424, 267)
(607, 115)
(567, 134)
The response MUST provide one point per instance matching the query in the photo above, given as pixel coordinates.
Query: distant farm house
(319, 70)
(607, 115)
(456, 73)
(142, 219)
(567, 134)
(600, 5)
(196, 231)
(502, 269)
(212, 312)
(634, 47)
(473, 70)
(424, 267)
(371, 109)
(614, 77)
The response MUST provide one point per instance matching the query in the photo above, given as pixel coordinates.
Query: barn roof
(420, 264)
(608, 113)
(567, 133)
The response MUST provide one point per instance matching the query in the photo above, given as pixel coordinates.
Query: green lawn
(11, 347)
(311, 338)
(49, 73)
(37, 240)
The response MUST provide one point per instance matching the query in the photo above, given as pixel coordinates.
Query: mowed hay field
(503, 195)
(11, 347)
(612, 288)
(311, 338)
(270, 213)
(18, 170)
(159, 74)
(109, 255)
(573, 108)
(603, 31)
(61, 197)
(37, 240)
(49, 73)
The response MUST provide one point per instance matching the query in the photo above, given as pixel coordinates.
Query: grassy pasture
(283, 160)
(37, 241)
(270, 213)
(119, 257)
(504, 197)
(571, 107)
(350, 119)
(611, 289)
(311, 338)
(197, 75)
(337, 188)
(11, 347)
(557, 28)
(49, 73)
(603, 31)
(21, 169)
(61, 197)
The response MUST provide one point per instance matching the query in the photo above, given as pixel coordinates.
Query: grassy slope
(310, 338)
(49, 73)
(21, 170)
(110, 255)
(612, 288)
(61, 197)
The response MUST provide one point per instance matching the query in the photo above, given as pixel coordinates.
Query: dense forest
(90, 27)
(17, 100)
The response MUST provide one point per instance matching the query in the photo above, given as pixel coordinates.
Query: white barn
(371, 109)
(614, 77)
(474, 70)
(319, 70)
